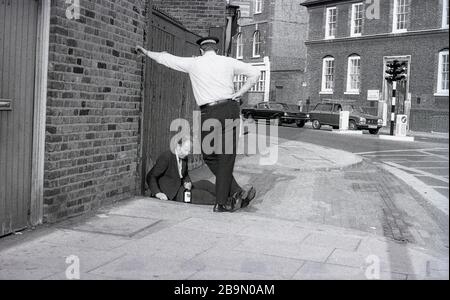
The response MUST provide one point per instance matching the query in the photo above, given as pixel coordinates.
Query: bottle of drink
(187, 196)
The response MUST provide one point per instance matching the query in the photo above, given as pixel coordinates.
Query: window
(261, 84)
(354, 74)
(357, 19)
(331, 23)
(328, 75)
(257, 44)
(442, 86)
(445, 14)
(401, 13)
(239, 47)
(258, 6)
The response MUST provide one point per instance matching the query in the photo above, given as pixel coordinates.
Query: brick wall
(93, 113)
(423, 15)
(196, 15)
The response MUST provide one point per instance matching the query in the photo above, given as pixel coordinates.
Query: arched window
(239, 46)
(257, 44)
(443, 80)
(328, 75)
(354, 74)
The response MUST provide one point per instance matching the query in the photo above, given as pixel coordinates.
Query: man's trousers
(219, 145)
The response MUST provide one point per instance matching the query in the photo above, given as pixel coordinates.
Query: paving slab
(125, 226)
(324, 271)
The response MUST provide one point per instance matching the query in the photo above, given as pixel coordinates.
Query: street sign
(401, 125)
(373, 95)
(344, 120)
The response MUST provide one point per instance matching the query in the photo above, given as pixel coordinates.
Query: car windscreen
(324, 107)
(277, 106)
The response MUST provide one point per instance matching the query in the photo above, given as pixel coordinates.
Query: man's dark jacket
(164, 176)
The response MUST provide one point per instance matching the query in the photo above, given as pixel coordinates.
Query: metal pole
(394, 100)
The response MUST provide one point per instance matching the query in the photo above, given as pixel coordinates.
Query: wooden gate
(167, 93)
(18, 31)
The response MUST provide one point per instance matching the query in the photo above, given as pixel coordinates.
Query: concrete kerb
(341, 159)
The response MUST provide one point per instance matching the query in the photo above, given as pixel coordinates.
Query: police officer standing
(212, 77)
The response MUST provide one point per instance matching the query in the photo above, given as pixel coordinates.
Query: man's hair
(209, 46)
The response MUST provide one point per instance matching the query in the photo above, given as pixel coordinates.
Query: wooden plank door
(18, 31)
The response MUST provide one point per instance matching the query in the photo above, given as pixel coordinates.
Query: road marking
(432, 168)
(395, 155)
(406, 150)
(441, 178)
(435, 198)
(436, 155)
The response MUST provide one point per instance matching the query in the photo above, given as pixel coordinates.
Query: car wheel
(301, 124)
(280, 121)
(352, 125)
(374, 131)
(316, 124)
(335, 127)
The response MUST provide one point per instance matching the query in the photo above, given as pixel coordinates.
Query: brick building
(71, 114)
(198, 16)
(271, 36)
(350, 42)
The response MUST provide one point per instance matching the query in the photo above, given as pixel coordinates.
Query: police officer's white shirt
(212, 75)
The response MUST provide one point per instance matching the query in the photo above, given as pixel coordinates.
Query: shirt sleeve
(182, 64)
(241, 68)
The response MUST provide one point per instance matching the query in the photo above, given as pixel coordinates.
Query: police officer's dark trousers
(219, 145)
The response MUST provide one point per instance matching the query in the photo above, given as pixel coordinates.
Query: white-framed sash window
(443, 79)
(257, 44)
(445, 15)
(357, 19)
(258, 6)
(400, 16)
(239, 46)
(354, 75)
(331, 23)
(328, 75)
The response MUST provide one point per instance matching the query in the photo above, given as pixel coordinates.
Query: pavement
(319, 213)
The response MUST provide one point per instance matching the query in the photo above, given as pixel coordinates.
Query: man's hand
(140, 50)
(188, 185)
(162, 196)
(236, 96)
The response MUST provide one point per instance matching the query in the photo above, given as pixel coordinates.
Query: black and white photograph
(222, 146)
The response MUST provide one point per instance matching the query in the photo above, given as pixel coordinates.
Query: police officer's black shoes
(222, 208)
(234, 203)
(251, 193)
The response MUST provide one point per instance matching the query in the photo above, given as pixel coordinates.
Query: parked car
(276, 111)
(327, 113)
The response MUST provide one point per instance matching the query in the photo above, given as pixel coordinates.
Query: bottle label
(187, 196)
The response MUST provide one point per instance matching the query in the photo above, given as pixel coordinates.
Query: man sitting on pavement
(169, 179)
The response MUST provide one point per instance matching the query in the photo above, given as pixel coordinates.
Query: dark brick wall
(93, 112)
(196, 15)
(423, 50)
(284, 27)
(429, 112)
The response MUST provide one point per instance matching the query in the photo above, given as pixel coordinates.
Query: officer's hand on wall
(140, 50)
